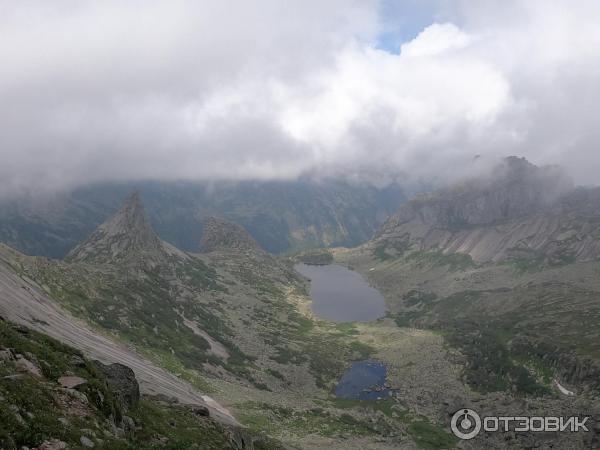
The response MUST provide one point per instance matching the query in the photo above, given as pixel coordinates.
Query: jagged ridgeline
(124, 278)
(231, 321)
(520, 212)
(281, 216)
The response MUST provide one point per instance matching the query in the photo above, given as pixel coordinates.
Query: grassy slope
(495, 309)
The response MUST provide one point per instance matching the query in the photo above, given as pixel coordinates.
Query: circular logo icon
(465, 424)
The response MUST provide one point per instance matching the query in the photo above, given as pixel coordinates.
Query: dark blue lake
(364, 380)
(342, 295)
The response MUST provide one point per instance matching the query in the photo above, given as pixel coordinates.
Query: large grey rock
(23, 365)
(200, 411)
(6, 354)
(86, 442)
(121, 380)
(76, 394)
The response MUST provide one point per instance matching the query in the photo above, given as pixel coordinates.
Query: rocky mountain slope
(24, 302)
(281, 216)
(52, 397)
(232, 324)
(506, 270)
(519, 212)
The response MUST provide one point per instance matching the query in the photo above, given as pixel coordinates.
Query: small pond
(342, 295)
(364, 380)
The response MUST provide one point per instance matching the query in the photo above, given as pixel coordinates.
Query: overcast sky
(203, 89)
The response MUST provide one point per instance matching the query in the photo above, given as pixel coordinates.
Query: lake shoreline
(341, 295)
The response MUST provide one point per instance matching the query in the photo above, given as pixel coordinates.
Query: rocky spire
(220, 234)
(125, 236)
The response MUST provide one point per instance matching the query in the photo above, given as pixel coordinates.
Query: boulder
(77, 361)
(76, 394)
(6, 354)
(201, 411)
(86, 442)
(25, 366)
(121, 380)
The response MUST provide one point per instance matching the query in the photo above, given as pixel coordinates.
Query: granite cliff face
(521, 211)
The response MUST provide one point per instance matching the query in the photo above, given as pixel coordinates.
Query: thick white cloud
(94, 91)
(435, 40)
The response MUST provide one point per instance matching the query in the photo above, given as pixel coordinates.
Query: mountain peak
(514, 188)
(131, 218)
(133, 203)
(125, 236)
(517, 209)
(220, 234)
(519, 169)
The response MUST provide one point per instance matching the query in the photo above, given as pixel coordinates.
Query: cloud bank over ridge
(94, 91)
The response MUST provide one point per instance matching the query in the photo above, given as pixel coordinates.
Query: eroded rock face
(121, 380)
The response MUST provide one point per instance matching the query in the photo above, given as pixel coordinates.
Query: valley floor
(501, 339)
(422, 372)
